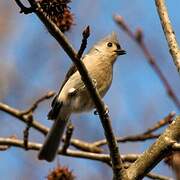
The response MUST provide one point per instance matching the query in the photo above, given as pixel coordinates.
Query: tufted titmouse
(73, 96)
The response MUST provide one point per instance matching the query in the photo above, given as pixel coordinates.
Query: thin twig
(73, 68)
(24, 118)
(143, 136)
(139, 39)
(158, 177)
(67, 140)
(72, 153)
(6, 147)
(82, 145)
(86, 34)
(167, 120)
(157, 151)
(26, 131)
(34, 106)
(85, 146)
(168, 32)
(131, 138)
(118, 170)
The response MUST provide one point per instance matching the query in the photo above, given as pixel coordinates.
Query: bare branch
(167, 120)
(49, 95)
(138, 38)
(73, 68)
(133, 138)
(86, 34)
(24, 118)
(67, 140)
(143, 136)
(82, 145)
(72, 153)
(158, 177)
(85, 146)
(26, 131)
(117, 167)
(160, 149)
(151, 175)
(169, 32)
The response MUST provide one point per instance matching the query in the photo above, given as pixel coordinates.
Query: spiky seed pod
(66, 22)
(58, 11)
(60, 173)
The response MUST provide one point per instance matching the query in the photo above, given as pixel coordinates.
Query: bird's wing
(56, 105)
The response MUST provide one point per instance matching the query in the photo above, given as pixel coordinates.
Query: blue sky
(136, 100)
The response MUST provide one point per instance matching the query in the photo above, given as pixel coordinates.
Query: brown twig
(143, 136)
(168, 32)
(85, 146)
(86, 34)
(167, 120)
(158, 150)
(44, 130)
(6, 147)
(67, 139)
(24, 118)
(138, 38)
(71, 153)
(73, 68)
(133, 138)
(34, 106)
(151, 175)
(26, 131)
(118, 170)
(158, 177)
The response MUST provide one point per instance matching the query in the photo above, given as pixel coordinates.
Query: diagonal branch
(34, 106)
(168, 32)
(161, 148)
(143, 136)
(118, 170)
(138, 38)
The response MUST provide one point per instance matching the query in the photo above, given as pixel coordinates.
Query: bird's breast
(74, 93)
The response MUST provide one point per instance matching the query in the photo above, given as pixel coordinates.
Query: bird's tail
(50, 147)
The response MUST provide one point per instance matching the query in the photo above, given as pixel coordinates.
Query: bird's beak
(120, 51)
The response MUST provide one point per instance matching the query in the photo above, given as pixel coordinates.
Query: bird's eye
(109, 44)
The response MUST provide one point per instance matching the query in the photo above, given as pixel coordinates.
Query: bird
(73, 96)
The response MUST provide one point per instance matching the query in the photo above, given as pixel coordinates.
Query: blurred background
(32, 63)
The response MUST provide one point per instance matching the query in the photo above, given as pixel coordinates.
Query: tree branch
(143, 136)
(161, 148)
(82, 145)
(168, 32)
(67, 139)
(34, 106)
(117, 167)
(72, 153)
(138, 37)
(86, 34)
(158, 177)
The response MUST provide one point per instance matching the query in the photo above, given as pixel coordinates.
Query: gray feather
(50, 147)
